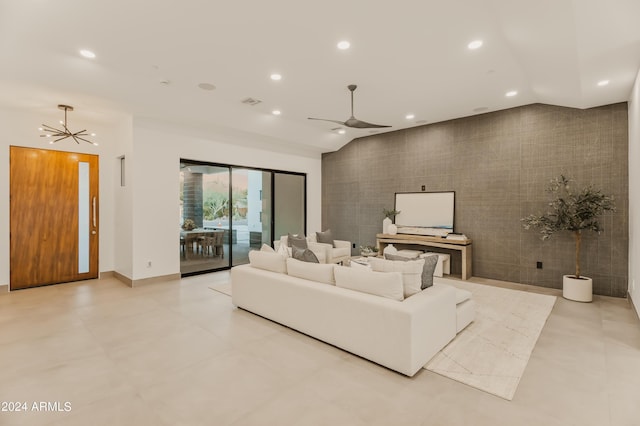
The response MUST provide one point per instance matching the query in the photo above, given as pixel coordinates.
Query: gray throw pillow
(305, 255)
(297, 241)
(325, 237)
(430, 263)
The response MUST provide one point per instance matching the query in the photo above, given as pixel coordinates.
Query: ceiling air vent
(251, 101)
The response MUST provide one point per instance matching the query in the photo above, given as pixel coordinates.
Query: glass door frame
(231, 168)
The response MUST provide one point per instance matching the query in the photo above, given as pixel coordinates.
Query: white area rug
(492, 352)
(224, 287)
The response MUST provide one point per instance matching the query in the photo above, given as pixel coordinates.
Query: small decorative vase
(390, 249)
(385, 225)
(392, 229)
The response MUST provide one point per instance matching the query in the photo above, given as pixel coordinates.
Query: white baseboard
(145, 281)
(633, 305)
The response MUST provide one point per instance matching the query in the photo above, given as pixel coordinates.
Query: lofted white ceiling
(406, 56)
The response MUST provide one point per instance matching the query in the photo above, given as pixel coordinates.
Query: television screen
(426, 210)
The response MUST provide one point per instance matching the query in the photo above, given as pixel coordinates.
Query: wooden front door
(54, 217)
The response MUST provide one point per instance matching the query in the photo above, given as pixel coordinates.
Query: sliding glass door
(226, 211)
(252, 211)
(289, 198)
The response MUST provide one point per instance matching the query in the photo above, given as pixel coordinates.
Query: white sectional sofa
(400, 335)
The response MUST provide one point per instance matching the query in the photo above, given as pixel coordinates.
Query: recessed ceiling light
(410, 116)
(207, 86)
(342, 131)
(344, 45)
(87, 54)
(475, 44)
(276, 77)
(511, 93)
(603, 82)
(276, 112)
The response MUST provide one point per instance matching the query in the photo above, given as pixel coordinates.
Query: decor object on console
(385, 225)
(392, 229)
(574, 211)
(390, 249)
(389, 215)
(60, 134)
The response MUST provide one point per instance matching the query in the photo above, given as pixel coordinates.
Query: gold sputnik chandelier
(60, 134)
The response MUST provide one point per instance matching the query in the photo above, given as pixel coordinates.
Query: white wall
(634, 194)
(20, 128)
(157, 149)
(123, 200)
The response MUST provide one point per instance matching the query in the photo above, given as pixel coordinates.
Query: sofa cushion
(411, 271)
(298, 240)
(325, 237)
(304, 255)
(283, 250)
(267, 248)
(385, 284)
(319, 272)
(274, 262)
(430, 263)
(462, 295)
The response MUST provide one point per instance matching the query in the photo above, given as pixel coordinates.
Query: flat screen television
(431, 210)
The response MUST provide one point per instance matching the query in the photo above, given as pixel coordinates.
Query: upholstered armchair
(325, 252)
(318, 250)
(335, 251)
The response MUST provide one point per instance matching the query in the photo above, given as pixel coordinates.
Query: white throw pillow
(267, 248)
(283, 250)
(273, 262)
(385, 284)
(411, 272)
(319, 272)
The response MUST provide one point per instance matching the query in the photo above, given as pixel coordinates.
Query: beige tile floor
(178, 353)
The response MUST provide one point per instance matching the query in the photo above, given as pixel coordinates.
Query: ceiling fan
(352, 121)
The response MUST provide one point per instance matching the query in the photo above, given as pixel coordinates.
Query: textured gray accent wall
(499, 164)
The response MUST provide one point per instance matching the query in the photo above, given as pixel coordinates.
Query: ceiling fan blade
(352, 121)
(331, 121)
(359, 124)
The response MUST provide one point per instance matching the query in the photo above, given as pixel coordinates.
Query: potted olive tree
(574, 211)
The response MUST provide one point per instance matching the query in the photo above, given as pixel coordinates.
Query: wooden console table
(463, 246)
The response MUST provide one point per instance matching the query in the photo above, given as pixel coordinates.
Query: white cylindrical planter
(577, 289)
(385, 225)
